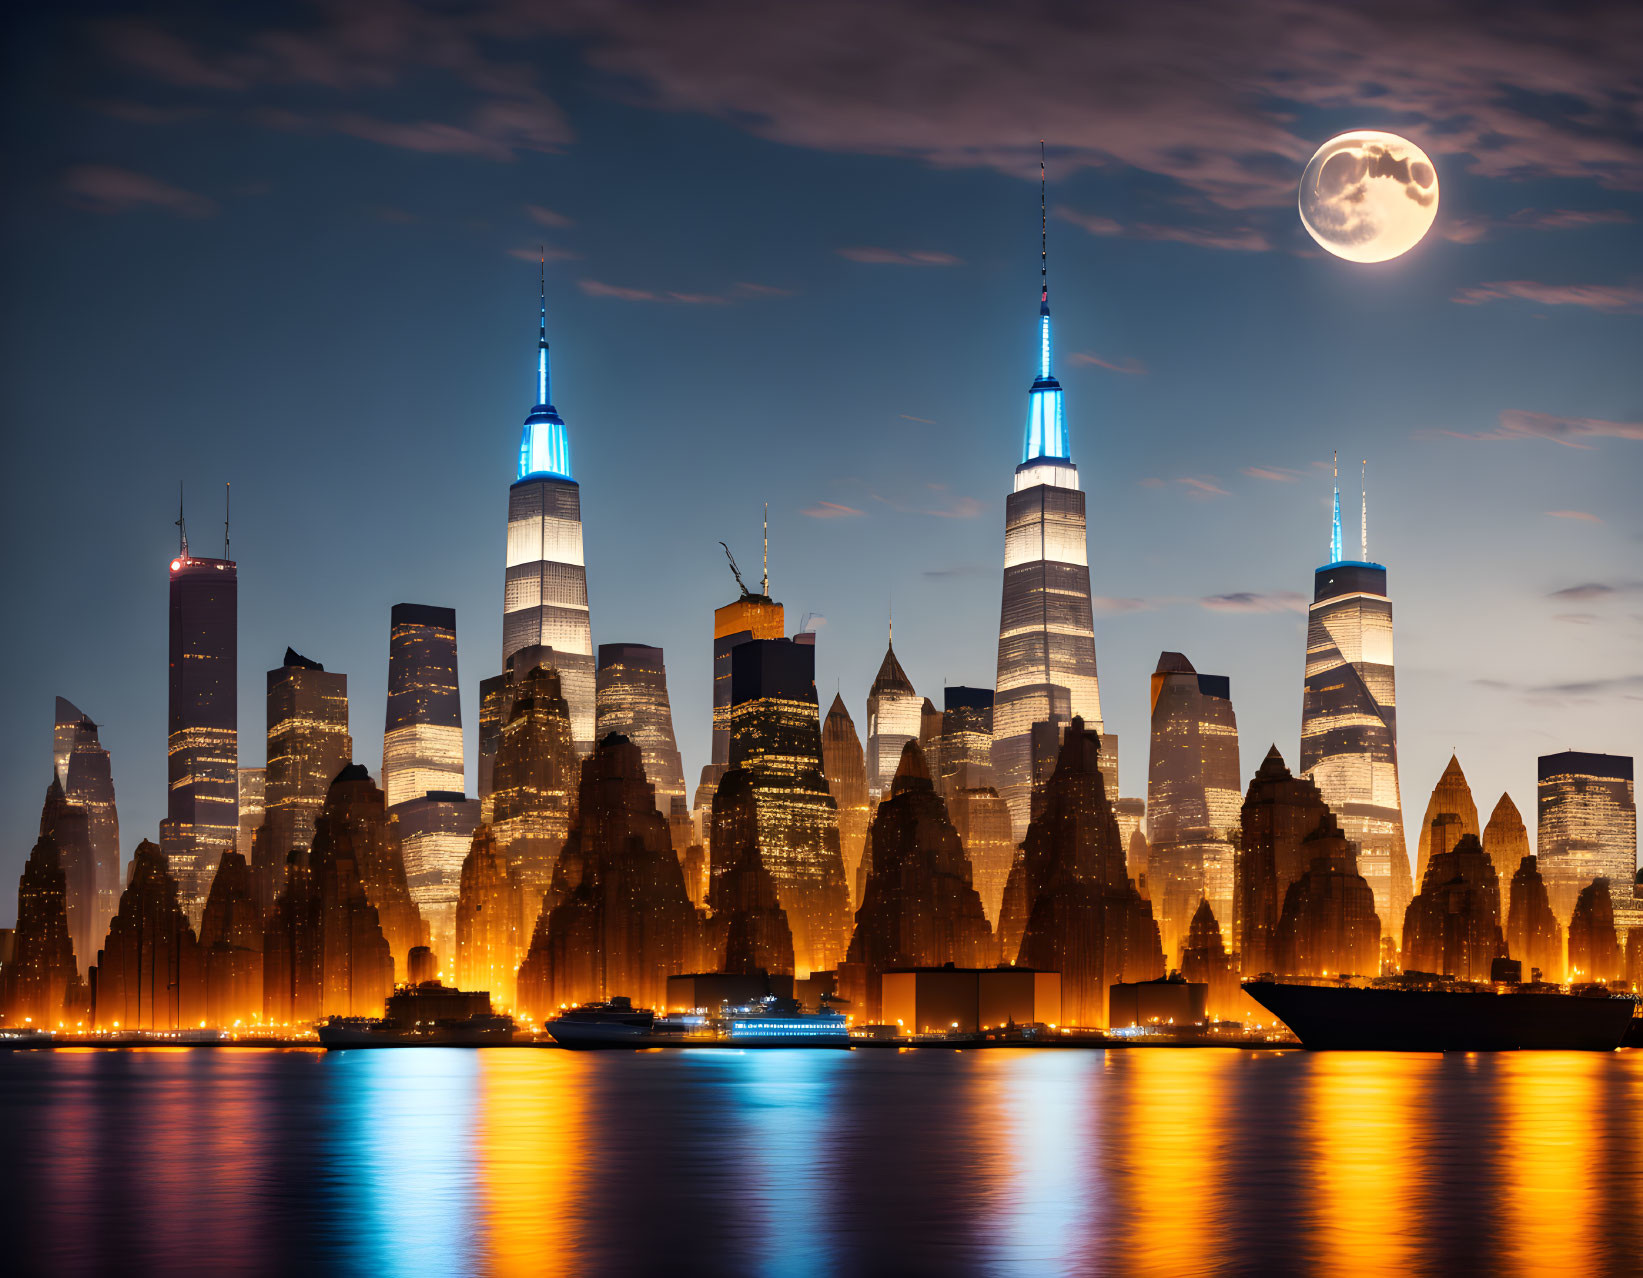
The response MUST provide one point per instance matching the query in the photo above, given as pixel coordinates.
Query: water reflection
(1363, 1161)
(528, 1161)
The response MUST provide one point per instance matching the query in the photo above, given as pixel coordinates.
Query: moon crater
(1369, 196)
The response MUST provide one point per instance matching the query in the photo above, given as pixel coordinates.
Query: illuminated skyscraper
(231, 945)
(40, 983)
(536, 775)
(1193, 797)
(1594, 950)
(894, 715)
(1452, 926)
(1453, 796)
(354, 825)
(202, 751)
(775, 734)
(90, 783)
(308, 744)
(1349, 729)
(150, 973)
(422, 739)
(1046, 630)
(846, 769)
(1588, 830)
(491, 932)
(62, 737)
(1279, 814)
(1533, 935)
(435, 832)
(545, 597)
(632, 701)
(962, 756)
(753, 616)
(67, 826)
(1329, 923)
(253, 807)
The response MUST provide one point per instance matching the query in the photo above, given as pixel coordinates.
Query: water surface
(513, 1161)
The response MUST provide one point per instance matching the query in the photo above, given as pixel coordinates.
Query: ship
(426, 1015)
(1421, 1013)
(765, 1022)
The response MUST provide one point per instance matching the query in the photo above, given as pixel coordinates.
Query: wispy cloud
(1243, 239)
(1114, 605)
(1588, 591)
(1253, 601)
(923, 421)
(1277, 474)
(1577, 618)
(1612, 298)
(1567, 219)
(1129, 364)
(1570, 431)
(104, 188)
(551, 253)
(830, 510)
(947, 505)
(598, 288)
(543, 216)
(1583, 515)
(895, 257)
(961, 570)
(1202, 485)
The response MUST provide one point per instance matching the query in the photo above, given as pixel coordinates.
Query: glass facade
(895, 714)
(202, 749)
(435, 831)
(308, 745)
(1588, 830)
(1349, 736)
(632, 700)
(1194, 798)
(422, 737)
(775, 735)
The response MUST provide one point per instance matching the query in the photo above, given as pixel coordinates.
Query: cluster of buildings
(988, 832)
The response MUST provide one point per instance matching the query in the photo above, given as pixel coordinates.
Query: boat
(766, 1022)
(1423, 1013)
(426, 1015)
(613, 1023)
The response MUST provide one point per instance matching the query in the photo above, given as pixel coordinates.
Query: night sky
(793, 257)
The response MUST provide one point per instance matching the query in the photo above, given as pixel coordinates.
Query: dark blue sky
(793, 259)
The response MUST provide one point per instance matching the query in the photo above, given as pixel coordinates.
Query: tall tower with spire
(545, 598)
(1046, 629)
(1349, 728)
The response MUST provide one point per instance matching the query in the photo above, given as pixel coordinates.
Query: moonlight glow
(1369, 196)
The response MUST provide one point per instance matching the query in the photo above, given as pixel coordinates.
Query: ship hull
(1345, 1018)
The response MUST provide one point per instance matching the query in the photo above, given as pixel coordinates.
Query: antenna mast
(1364, 533)
(764, 585)
(182, 527)
(227, 494)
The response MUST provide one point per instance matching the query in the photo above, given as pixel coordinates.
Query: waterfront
(441, 1161)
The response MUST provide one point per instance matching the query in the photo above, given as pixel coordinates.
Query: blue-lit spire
(1046, 414)
(543, 446)
(1335, 525)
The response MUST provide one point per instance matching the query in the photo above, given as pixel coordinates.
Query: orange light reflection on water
(1171, 1141)
(532, 1154)
(1553, 1159)
(1361, 1120)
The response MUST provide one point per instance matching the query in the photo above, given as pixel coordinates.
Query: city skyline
(1190, 550)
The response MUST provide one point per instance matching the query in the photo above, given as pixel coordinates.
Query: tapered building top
(543, 446)
(1046, 414)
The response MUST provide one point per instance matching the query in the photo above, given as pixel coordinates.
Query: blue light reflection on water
(400, 1159)
(998, 1162)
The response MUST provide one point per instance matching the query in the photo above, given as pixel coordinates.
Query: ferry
(767, 1022)
(1420, 1012)
(426, 1015)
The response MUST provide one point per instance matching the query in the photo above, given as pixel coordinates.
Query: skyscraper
(545, 596)
(753, 616)
(1280, 813)
(202, 750)
(1349, 728)
(963, 755)
(895, 714)
(1329, 923)
(632, 701)
(308, 744)
(1588, 830)
(40, 983)
(775, 734)
(90, 783)
(422, 738)
(62, 736)
(1046, 629)
(1452, 926)
(1451, 796)
(846, 769)
(1193, 797)
(253, 784)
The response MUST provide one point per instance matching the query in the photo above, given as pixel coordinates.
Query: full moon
(1369, 196)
